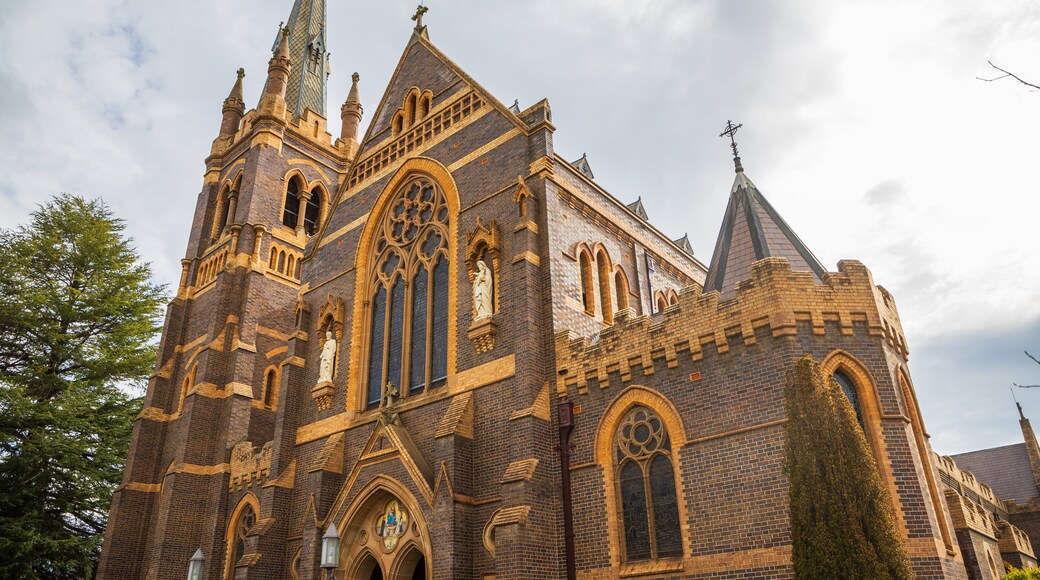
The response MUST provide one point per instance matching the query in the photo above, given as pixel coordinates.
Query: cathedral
(442, 350)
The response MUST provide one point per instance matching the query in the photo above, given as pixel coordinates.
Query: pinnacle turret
(278, 69)
(234, 107)
(351, 112)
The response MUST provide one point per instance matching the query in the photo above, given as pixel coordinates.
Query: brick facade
(474, 463)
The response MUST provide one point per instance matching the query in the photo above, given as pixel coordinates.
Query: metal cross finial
(419, 11)
(731, 131)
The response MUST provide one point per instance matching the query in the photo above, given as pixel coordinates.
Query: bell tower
(203, 442)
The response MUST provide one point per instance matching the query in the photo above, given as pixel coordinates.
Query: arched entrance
(384, 536)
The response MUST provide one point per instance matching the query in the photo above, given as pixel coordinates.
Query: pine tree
(842, 523)
(77, 312)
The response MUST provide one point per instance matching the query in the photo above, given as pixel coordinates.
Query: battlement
(775, 298)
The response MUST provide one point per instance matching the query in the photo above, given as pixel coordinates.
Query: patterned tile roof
(307, 50)
(752, 230)
(1005, 469)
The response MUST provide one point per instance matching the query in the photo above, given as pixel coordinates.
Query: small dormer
(637, 208)
(582, 165)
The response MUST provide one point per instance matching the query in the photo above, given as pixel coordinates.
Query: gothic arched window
(312, 213)
(646, 488)
(237, 538)
(588, 298)
(621, 289)
(603, 272)
(291, 211)
(408, 289)
(849, 388)
(270, 384)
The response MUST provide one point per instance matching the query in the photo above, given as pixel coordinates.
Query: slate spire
(308, 76)
(751, 230)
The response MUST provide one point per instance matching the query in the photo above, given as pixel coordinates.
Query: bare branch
(1032, 357)
(1026, 386)
(1004, 76)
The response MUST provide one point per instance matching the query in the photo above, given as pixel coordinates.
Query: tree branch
(1032, 357)
(1004, 76)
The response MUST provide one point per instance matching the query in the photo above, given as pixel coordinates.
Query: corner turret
(278, 69)
(234, 108)
(351, 113)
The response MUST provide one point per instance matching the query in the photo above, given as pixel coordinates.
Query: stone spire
(351, 112)
(1031, 445)
(307, 84)
(234, 107)
(751, 230)
(278, 69)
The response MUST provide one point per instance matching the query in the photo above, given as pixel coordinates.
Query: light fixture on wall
(330, 551)
(195, 565)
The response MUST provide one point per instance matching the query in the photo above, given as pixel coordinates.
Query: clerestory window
(408, 290)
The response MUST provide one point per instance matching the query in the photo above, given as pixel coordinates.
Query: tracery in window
(237, 538)
(849, 389)
(646, 488)
(408, 283)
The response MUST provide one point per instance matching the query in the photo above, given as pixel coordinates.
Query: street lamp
(195, 565)
(330, 551)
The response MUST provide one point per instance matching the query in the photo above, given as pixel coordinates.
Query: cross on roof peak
(730, 131)
(419, 11)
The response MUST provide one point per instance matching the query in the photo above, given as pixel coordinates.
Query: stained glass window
(646, 488)
(439, 362)
(417, 380)
(850, 393)
(411, 271)
(245, 522)
(375, 364)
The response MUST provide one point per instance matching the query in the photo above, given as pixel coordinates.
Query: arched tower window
(312, 213)
(408, 286)
(603, 272)
(646, 488)
(621, 289)
(291, 211)
(237, 537)
(662, 301)
(849, 389)
(270, 384)
(588, 296)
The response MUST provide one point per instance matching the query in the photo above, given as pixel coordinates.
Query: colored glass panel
(417, 378)
(439, 346)
(375, 359)
(666, 508)
(850, 393)
(396, 344)
(633, 507)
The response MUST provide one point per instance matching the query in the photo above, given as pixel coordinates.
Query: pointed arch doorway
(386, 536)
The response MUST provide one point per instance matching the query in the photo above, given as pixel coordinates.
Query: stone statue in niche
(327, 361)
(483, 304)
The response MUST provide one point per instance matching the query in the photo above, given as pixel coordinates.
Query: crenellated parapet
(775, 298)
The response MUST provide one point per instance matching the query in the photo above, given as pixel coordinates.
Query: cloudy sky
(864, 125)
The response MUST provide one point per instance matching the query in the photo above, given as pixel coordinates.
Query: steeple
(234, 107)
(1032, 449)
(751, 230)
(308, 76)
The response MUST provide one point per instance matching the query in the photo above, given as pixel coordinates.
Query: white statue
(328, 359)
(483, 307)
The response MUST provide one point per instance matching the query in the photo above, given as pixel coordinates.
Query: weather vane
(419, 11)
(731, 131)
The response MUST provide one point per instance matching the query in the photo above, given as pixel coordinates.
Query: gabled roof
(637, 207)
(684, 243)
(1005, 469)
(751, 230)
(515, 107)
(582, 165)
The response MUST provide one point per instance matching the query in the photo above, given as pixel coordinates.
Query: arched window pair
(610, 281)
(664, 299)
(408, 294)
(416, 107)
(646, 488)
(311, 213)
